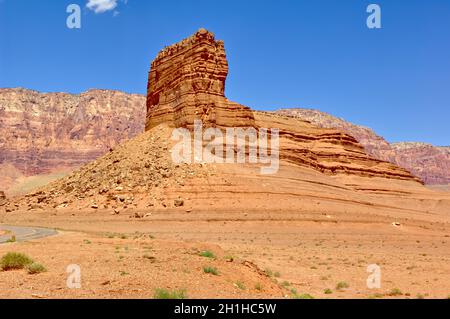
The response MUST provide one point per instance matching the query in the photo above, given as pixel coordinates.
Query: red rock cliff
(42, 132)
(187, 82)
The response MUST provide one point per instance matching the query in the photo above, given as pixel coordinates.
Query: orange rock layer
(187, 82)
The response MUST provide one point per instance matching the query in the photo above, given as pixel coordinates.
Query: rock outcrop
(430, 163)
(187, 82)
(140, 174)
(44, 132)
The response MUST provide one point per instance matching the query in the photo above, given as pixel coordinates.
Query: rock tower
(187, 82)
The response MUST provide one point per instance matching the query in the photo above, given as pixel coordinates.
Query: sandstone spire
(187, 82)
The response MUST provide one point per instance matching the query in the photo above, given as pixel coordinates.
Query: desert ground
(307, 234)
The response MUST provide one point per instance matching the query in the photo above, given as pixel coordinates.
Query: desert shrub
(207, 254)
(268, 272)
(35, 268)
(12, 239)
(167, 294)
(14, 261)
(327, 291)
(240, 285)
(395, 292)
(210, 270)
(342, 285)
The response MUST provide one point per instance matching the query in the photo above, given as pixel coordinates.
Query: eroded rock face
(330, 151)
(43, 132)
(187, 82)
(430, 163)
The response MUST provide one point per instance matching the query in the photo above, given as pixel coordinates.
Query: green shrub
(207, 254)
(268, 272)
(35, 268)
(395, 292)
(342, 285)
(15, 261)
(240, 285)
(210, 270)
(167, 294)
(12, 239)
(327, 291)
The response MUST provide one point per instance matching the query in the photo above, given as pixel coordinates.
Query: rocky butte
(318, 166)
(187, 82)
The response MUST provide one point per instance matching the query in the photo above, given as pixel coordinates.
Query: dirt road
(24, 233)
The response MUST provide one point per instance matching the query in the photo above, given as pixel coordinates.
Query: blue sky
(314, 54)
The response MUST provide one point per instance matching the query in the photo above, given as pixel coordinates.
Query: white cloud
(100, 6)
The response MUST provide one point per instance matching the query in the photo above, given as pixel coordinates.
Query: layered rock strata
(428, 162)
(44, 132)
(187, 82)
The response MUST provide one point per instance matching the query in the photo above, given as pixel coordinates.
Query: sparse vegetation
(258, 286)
(302, 296)
(268, 272)
(395, 292)
(13, 260)
(211, 270)
(328, 291)
(12, 239)
(420, 296)
(240, 285)
(35, 268)
(285, 283)
(341, 285)
(207, 254)
(376, 296)
(167, 294)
